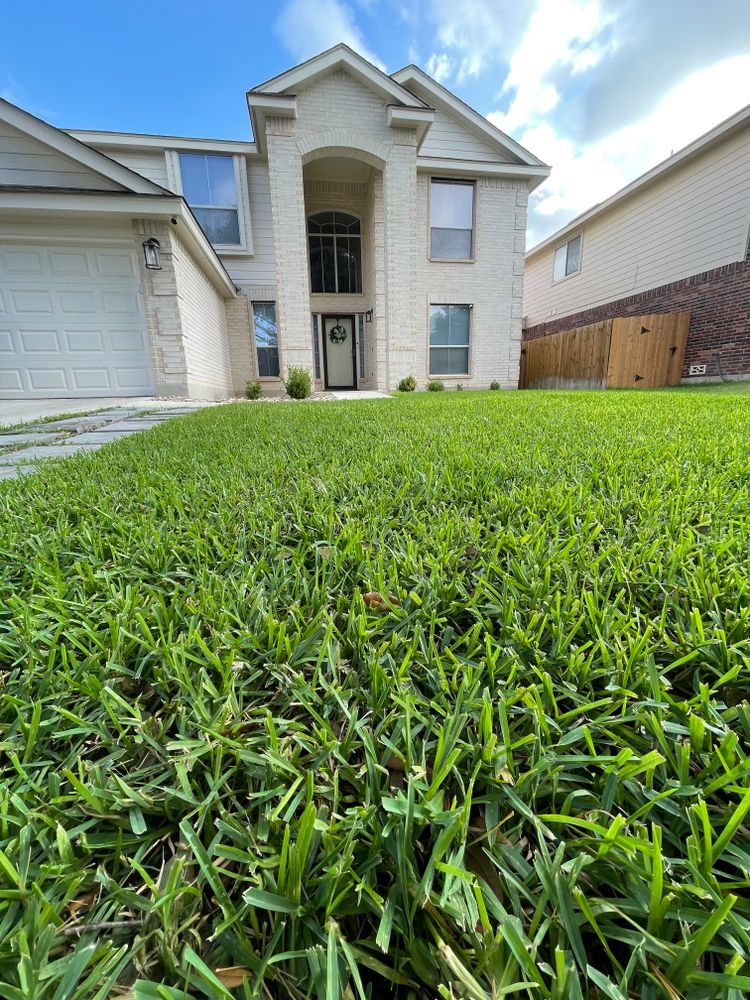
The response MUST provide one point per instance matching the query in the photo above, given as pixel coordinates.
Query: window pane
(452, 205)
(573, 262)
(264, 317)
(268, 362)
(559, 267)
(221, 182)
(361, 334)
(221, 225)
(316, 345)
(458, 317)
(451, 244)
(439, 325)
(322, 271)
(194, 178)
(349, 264)
(449, 360)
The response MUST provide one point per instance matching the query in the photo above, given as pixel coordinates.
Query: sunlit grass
(522, 771)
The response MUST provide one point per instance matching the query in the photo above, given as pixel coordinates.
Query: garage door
(71, 323)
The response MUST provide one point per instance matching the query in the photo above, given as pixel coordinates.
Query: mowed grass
(522, 770)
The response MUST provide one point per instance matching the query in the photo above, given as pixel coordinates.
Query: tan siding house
(373, 229)
(675, 239)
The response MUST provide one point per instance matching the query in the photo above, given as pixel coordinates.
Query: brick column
(399, 337)
(290, 240)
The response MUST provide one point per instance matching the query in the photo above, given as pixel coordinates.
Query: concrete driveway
(21, 411)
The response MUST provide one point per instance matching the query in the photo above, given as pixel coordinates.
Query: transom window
(209, 184)
(335, 241)
(449, 340)
(567, 259)
(266, 339)
(452, 220)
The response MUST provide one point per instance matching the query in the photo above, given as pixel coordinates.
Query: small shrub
(435, 385)
(252, 389)
(494, 384)
(298, 383)
(408, 384)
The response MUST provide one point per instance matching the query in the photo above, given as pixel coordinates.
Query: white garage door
(71, 323)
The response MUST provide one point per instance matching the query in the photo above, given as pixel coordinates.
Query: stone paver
(104, 436)
(128, 425)
(14, 471)
(8, 440)
(45, 451)
(90, 420)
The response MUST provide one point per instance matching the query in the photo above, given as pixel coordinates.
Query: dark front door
(339, 352)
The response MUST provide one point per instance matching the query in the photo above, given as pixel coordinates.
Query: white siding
(25, 161)
(688, 222)
(260, 267)
(204, 328)
(451, 139)
(151, 164)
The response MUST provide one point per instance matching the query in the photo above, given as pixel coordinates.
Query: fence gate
(636, 352)
(647, 351)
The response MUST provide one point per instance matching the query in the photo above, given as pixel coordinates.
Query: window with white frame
(209, 184)
(449, 339)
(567, 259)
(266, 339)
(451, 220)
(361, 337)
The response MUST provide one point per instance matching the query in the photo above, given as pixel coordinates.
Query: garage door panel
(77, 328)
(10, 380)
(84, 341)
(39, 342)
(48, 379)
(114, 265)
(92, 378)
(32, 301)
(20, 262)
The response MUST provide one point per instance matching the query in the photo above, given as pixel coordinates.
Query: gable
(337, 97)
(36, 154)
(449, 138)
(27, 162)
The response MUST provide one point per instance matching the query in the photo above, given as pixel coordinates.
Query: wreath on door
(337, 334)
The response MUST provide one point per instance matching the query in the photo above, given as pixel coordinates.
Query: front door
(339, 352)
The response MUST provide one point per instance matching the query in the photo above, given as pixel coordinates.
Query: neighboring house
(374, 229)
(675, 240)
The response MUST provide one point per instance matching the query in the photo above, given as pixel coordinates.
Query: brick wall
(719, 304)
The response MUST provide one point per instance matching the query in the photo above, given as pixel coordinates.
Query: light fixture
(368, 316)
(151, 249)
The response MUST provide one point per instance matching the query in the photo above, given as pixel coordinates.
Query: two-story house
(374, 228)
(676, 239)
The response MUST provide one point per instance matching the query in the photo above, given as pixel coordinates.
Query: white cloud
(584, 175)
(476, 35)
(561, 35)
(307, 27)
(440, 66)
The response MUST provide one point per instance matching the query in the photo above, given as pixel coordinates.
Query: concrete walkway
(21, 449)
(19, 411)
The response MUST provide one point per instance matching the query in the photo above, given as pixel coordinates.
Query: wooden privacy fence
(641, 352)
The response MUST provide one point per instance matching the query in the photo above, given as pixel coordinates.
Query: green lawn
(522, 772)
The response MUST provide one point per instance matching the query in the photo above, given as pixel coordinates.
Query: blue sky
(601, 89)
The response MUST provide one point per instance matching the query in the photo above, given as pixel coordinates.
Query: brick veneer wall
(719, 304)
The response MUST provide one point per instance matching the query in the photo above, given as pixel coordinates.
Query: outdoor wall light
(368, 316)
(151, 249)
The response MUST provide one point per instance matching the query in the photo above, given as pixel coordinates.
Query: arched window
(335, 241)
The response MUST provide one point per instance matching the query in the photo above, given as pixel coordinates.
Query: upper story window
(335, 241)
(452, 220)
(209, 184)
(567, 259)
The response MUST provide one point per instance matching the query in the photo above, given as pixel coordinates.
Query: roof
(700, 145)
